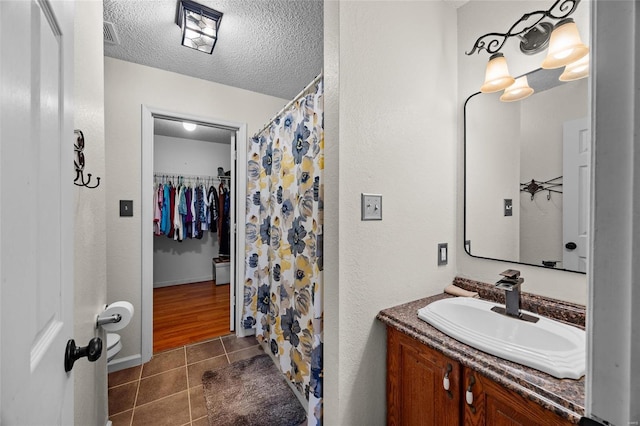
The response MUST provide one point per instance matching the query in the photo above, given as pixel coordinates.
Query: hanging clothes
(225, 234)
(166, 215)
(157, 209)
(172, 206)
(213, 209)
(185, 211)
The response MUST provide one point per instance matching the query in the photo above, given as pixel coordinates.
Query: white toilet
(113, 345)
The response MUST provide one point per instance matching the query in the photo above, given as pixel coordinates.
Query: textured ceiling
(267, 46)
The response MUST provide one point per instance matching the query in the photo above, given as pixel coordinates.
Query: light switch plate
(508, 207)
(126, 207)
(443, 254)
(371, 206)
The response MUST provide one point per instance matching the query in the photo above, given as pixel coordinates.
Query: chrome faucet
(510, 283)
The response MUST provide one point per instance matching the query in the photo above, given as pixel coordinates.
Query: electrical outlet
(443, 254)
(371, 206)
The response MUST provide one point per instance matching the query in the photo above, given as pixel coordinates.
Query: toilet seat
(113, 345)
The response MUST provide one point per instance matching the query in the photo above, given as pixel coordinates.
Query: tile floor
(168, 389)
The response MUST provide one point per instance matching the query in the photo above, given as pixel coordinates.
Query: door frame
(148, 114)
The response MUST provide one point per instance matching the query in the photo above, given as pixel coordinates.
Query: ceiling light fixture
(199, 25)
(189, 127)
(563, 40)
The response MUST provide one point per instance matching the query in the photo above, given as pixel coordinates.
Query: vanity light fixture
(199, 25)
(189, 127)
(563, 40)
(565, 45)
(576, 70)
(496, 75)
(517, 91)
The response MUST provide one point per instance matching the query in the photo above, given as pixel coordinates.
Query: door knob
(73, 353)
(570, 246)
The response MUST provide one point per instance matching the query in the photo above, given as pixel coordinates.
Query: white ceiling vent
(110, 34)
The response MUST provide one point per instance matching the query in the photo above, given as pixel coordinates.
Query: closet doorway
(190, 261)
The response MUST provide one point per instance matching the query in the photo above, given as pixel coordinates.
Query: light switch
(443, 254)
(508, 207)
(126, 207)
(371, 206)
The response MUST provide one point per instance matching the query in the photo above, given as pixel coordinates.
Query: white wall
(475, 19)
(127, 87)
(188, 261)
(395, 64)
(90, 265)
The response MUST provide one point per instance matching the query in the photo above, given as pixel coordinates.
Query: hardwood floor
(189, 313)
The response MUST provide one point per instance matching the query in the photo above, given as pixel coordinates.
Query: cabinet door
(495, 405)
(416, 393)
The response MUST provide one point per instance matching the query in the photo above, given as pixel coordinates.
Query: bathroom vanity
(433, 379)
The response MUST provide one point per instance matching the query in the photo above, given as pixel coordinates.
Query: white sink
(550, 346)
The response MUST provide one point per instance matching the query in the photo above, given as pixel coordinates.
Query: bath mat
(251, 392)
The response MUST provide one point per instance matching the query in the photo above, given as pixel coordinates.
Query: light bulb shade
(576, 70)
(199, 25)
(517, 91)
(565, 45)
(496, 76)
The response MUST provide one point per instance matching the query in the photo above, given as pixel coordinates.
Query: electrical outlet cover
(371, 206)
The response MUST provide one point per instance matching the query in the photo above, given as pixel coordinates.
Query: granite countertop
(564, 397)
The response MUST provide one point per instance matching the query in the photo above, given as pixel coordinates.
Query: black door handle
(73, 353)
(570, 246)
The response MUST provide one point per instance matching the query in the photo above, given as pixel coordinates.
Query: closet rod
(284, 108)
(191, 177)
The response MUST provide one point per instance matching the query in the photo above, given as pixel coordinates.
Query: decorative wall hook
(78, 162)
(536, 186)
(533, 35)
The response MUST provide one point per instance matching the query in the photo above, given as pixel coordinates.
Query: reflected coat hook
(533, 187)
(78, 162)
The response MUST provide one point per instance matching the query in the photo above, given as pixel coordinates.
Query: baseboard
(183, 281)
(122, 363)
(246, 332)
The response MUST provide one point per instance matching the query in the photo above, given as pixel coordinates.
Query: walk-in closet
(191, 245)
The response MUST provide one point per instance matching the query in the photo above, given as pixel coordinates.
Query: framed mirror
(527, 174)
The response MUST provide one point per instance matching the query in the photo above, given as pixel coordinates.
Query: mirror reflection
(527, 174)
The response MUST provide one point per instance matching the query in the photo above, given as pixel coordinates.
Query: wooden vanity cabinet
(492, 404)
(416, 393)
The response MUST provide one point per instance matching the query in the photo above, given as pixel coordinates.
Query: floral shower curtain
(284, 229)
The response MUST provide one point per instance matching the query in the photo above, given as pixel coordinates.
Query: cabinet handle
(446, 383)
(469, 394)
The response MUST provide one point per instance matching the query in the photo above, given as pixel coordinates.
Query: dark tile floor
(168, 389)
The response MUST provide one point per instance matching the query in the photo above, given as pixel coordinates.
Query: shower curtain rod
(284, 108)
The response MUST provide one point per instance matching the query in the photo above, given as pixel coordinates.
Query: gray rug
(251, 392)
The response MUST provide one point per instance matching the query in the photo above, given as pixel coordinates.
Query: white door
(232, 230)
(36, 181)
(575, 197)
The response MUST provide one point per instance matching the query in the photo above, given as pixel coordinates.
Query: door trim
(148, 114)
